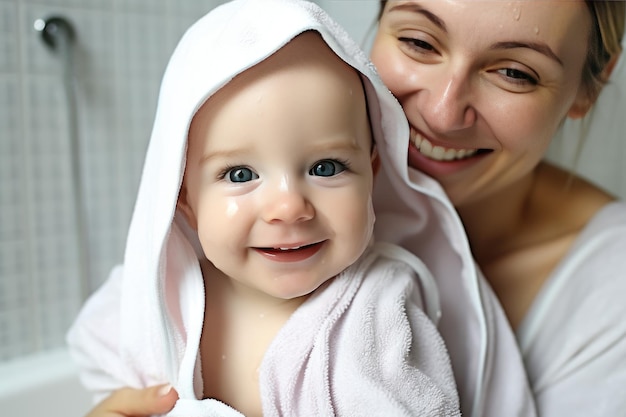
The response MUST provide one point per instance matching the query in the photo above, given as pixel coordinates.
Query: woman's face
(484, 84)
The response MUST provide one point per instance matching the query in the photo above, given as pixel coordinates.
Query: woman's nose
(447, 103)
(287, 204)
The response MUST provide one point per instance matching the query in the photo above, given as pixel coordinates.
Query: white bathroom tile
(59, 271)
(85, 4)
(45, 115)
(10, 115)
(13, 272)
(16, 336)
(12, 219)
(193, 9)
(9, 57)
(95, 54)
(12, 199)
(142, 41)
(154, 7)
(56, 318)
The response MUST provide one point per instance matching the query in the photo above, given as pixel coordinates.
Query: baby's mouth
(439, 153)
(289, 249)
(295, 253)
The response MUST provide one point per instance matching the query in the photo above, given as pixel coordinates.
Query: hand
(129, 402)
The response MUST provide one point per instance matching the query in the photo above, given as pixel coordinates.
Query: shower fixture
(55, 29)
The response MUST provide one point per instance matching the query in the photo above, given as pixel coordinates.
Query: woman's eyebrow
(419, 9)
(416, 8)
(542, 48)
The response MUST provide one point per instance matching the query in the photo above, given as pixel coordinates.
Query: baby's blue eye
(327, 168)
(241, 174)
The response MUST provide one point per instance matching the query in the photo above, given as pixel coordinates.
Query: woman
(485, 88)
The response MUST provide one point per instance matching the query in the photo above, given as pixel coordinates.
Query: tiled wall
(120, 54)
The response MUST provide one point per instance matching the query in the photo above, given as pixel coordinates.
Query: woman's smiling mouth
(439, 153)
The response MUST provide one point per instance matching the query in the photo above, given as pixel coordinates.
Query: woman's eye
(241, 174)
(327, 168)
(417, 44)
(517, 76)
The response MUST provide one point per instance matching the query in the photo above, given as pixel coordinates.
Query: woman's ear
(581, 105)
(585, 98)
(185, 207)
(375, 158)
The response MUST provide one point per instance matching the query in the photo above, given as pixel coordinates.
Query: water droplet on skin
(517, 12)
(232, 209)
(536, 31)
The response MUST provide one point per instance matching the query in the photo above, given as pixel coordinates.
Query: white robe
(573, 338)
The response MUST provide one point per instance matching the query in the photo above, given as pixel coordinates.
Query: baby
(251, 280)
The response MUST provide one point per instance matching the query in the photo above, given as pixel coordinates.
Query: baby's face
(279, 177)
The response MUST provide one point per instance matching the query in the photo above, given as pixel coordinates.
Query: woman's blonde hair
(604, 44)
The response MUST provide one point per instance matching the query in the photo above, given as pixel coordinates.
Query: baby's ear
(375, 158)
(185, 207)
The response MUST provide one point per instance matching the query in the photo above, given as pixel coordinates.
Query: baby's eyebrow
(351, 145)
(223, 154)
(335, 144)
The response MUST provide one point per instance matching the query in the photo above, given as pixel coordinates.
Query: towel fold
(363, 346)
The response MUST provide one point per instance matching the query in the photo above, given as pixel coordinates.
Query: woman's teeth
(439, 153)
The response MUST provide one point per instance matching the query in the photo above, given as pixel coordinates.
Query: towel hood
(412, 209)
